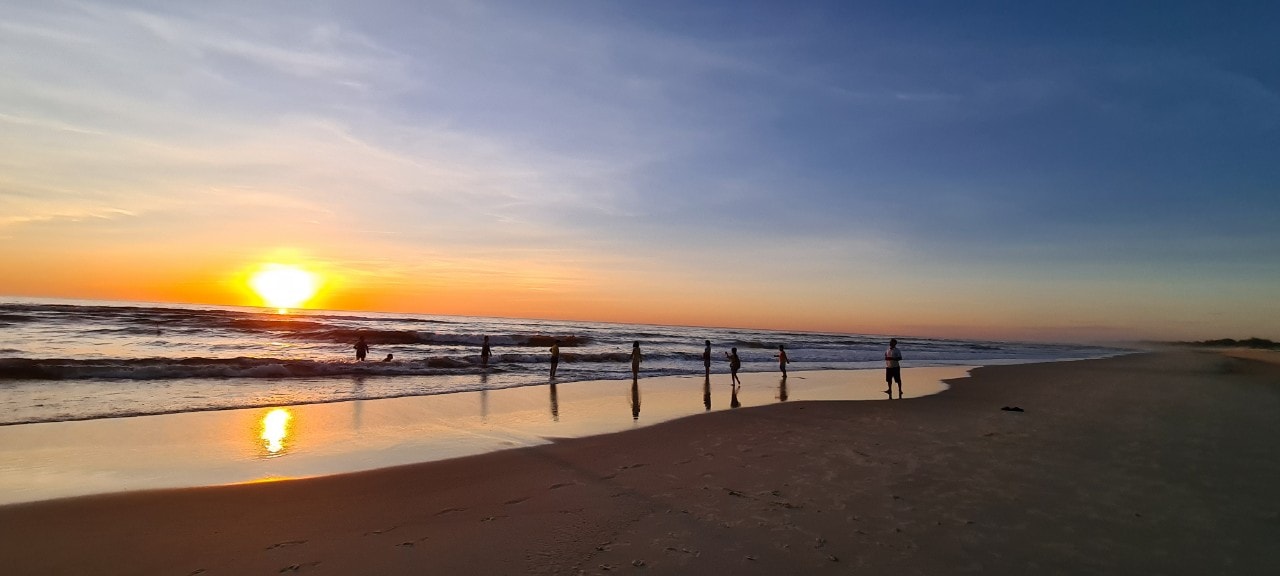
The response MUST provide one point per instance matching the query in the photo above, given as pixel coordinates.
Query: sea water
(78, 360)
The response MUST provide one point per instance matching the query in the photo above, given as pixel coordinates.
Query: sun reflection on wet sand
(275, 428)
(247, 445)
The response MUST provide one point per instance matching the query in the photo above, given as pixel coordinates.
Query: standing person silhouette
(555, 357)
(485, 353)
(635, 360)
(782, 361)
(706, 358)
(362, 348)
(734, 364)
(892, 368)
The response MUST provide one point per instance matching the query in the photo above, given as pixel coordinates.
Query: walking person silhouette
(734, 364)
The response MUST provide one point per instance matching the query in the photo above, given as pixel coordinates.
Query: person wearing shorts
(892, 368)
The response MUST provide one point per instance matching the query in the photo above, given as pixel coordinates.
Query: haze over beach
(581, 287)
(1090, 171)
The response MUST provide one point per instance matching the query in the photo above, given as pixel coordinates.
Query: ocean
(64, 360)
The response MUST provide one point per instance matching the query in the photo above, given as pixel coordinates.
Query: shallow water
(64, 360)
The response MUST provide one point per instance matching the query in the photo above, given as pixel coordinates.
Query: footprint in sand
(450, 511)
(560, 485)
(284, 544)
(516, 500)
(411, 543)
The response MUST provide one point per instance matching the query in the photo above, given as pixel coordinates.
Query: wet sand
(60, 459)
(1152, 463)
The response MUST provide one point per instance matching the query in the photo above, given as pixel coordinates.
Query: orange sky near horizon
(223, 279)
(866, 289)
(555, 294)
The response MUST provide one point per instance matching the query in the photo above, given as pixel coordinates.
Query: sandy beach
(1155, 463)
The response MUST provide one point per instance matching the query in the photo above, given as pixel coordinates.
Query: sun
(282, 286)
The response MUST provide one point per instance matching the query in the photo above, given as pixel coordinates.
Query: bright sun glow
(275, 427)
(283, 286)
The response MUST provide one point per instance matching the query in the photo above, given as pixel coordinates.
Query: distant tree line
(1259, 343)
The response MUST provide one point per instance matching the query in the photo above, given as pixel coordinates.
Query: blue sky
(1084, 170)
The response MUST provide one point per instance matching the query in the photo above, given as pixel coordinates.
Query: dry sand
(1161, 463)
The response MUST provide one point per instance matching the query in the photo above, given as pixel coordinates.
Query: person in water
(362, 348)
(892, 368)
(485, 353)
(706, 359)
(388, 358)
(555, 357)
(782, 361)
(635, 360)
(734, 364)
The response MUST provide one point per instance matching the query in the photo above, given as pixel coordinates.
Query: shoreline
(1162, 462)
(539, 384)
(481, 386)
(48, 460)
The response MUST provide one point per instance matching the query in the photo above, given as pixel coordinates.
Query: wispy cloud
(842, 146)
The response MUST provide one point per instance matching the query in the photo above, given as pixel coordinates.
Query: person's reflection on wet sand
(555, 404)
(706, 392)
(357, 407)
(733, 400)
(484, 396)
(782, 389)
(635, 399)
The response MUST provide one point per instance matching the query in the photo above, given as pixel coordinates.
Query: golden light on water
(281, 286)
(275, 428)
